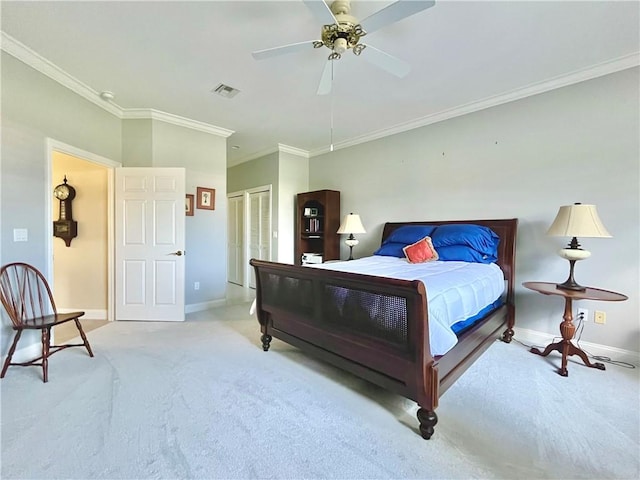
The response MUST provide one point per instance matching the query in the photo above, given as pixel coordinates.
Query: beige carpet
(201, 400)
(65, 332)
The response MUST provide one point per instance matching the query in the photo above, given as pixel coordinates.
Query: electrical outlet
(584, 312)
(196, 285)
(600, 317)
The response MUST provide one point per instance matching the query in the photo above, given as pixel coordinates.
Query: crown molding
(293, 150)
(595, 71)
(252, 156)
(268, 151)
(151, 114)
(27, 56)
(44, 66)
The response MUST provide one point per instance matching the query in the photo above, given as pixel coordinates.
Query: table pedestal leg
(567, 329)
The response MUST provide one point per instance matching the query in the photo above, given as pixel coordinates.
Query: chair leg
(84, 337)
(7, 362)
(46, 338)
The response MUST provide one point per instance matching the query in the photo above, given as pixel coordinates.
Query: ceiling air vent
(225, 91)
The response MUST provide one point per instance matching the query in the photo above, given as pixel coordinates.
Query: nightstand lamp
(351, 224)
(576, 221)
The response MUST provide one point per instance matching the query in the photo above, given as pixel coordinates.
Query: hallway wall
(80, 270)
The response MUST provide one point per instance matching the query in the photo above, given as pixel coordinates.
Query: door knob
(178, 253)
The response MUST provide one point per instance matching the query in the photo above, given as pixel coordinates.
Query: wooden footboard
(379, 338)
(376, 328)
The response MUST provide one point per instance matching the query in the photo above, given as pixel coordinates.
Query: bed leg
(511, 321)
(428, 420)
(266, 341)
(507, 335)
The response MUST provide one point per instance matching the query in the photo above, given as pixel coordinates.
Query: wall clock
(65, 227)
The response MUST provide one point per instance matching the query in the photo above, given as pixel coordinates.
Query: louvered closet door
(235, 252)
(259, 229)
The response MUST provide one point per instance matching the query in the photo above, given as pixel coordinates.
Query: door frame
(52, 146)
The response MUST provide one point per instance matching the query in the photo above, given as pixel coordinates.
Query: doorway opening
(81, 274)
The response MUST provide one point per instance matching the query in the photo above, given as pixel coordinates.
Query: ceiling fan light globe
(340, 45)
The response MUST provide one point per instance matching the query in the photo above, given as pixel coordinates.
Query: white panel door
(235, 251)
(150, 231)
(259, 229)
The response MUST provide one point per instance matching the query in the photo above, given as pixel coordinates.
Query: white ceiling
(168, 56)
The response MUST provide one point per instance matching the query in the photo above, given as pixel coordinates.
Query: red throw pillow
(421, 251)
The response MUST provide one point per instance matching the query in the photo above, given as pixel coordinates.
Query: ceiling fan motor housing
(345, 34)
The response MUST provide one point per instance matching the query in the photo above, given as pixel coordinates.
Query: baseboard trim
(534, 337)
(92, 314)
(199, 307)
(97, 314)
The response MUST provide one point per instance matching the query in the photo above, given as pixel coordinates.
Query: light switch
(20, 235)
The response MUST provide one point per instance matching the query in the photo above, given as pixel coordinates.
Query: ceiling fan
(341, 32)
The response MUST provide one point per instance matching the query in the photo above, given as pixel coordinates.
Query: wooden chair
(27, 298)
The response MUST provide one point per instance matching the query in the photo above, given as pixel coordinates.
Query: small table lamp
(351, 224)
(576, 221)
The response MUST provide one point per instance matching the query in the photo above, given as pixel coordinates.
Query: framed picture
(206, 198)
(188, 204)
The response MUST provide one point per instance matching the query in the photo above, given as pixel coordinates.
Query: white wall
(523, 159)
(288, 175)
(258, 173)
(35, 108)
(155, 143)
(205, 158)
(293, 175)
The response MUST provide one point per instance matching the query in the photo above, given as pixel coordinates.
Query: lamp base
(351, 242)
(571, 286)
(570, 283)
(350, 252)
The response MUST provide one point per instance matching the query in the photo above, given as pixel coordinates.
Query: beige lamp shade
(351, 224)
(578, 220)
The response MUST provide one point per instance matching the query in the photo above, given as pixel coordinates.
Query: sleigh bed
(385, 338)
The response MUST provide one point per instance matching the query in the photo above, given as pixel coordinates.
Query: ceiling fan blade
(326, 81)
(282, 50)
(394, 12)
(387, 62)
(321, 11)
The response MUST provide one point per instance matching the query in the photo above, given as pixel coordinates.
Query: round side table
(567, 328)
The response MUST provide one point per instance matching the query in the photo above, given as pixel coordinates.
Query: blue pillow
(391, 249)
(463, 253)
(409, 234)
(482, 239)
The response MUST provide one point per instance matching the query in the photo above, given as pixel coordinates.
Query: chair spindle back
(25, 293)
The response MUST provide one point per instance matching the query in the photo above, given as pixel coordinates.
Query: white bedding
(455, 290)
